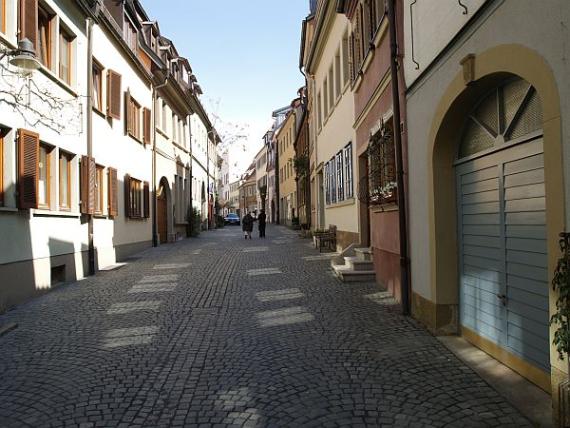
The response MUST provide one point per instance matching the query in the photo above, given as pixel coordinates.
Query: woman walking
(247, 225)
(262, 220)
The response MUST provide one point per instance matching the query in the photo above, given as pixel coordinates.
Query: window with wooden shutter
(45, 44)
(114, 95)
(146, 199)
(128, 114)
(146, 121)
(113, 193)
(99, 189)
(65, 160)
(128, 202)
(28, 161)
(29, 21)
(88, 179)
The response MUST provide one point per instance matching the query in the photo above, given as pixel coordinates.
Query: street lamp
(24, 57)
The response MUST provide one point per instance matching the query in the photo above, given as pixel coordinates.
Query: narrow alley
(222, 331)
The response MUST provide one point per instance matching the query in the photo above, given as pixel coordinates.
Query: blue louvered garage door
(503, 261)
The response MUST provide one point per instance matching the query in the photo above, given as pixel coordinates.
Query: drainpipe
(154, 203)
(404, 259)
(91, 245)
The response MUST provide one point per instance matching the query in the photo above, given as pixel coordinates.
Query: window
(137, 201)
(44, 176)
(382, 167)
(348, 180)
(99, 189)
(97, 86)
(319, 111)
(331, 88)
(130, 35)
(45, 43)
(164, 123)
(174, 128)
(325, 99)
(345, 59)
(133, 118)
(337, 77)
(114, 92)
(65, 180)
(135, 197)
(339, 177)
(65, 56)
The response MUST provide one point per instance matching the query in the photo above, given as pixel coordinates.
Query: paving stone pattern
(185, 335)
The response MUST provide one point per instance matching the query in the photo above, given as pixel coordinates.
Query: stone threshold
(531, 401)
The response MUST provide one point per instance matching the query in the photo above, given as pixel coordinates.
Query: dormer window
(130, 34)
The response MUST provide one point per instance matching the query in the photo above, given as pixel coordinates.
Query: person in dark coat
(247, 225)
(261, 218)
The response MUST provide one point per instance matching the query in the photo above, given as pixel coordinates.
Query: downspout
(277, 184)
(404, 259)
(154, 202)
(208, 180)
(91, 245)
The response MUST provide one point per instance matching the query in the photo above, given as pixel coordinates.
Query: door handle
(502, 298)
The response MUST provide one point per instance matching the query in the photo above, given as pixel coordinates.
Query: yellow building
(286, 170)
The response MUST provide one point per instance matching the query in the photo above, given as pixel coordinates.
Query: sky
(245, 55)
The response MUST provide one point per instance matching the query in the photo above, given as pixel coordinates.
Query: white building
(43, 137)
(77, 187)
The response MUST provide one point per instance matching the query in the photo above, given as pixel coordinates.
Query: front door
(501, 202)
(162, 217)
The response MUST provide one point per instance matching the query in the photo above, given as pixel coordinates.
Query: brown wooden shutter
(112, 192)
(114, 94)
(29, 21)
(88, 180)
(146, 126)
(146, 199)
(28, 168)
(128, 204)
(129, 119)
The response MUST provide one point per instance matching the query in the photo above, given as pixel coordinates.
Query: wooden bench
(326, 239)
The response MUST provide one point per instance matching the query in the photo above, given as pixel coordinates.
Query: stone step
(345, 274)
(356, 263)
(364, 253)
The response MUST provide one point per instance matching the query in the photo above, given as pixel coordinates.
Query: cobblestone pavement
(220, 331)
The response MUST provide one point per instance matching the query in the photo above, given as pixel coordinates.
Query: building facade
(488, 197)
(369, 76)
(326, 63)
(101, 138)
(285, 136)
(261, 178)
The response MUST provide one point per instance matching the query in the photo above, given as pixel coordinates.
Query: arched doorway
(501, 215)
(493, 69)
(162, 209)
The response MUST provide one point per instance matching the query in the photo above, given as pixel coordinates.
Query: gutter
(91, 245)
(402, 215)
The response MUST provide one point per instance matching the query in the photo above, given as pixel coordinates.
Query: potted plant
(561, 319)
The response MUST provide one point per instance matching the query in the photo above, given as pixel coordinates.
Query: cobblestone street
(220, 331)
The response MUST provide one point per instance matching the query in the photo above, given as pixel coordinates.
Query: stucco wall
(534, 27)
(336, 131)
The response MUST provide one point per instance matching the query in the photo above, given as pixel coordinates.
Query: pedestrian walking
(262, 223)
(247, 225)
